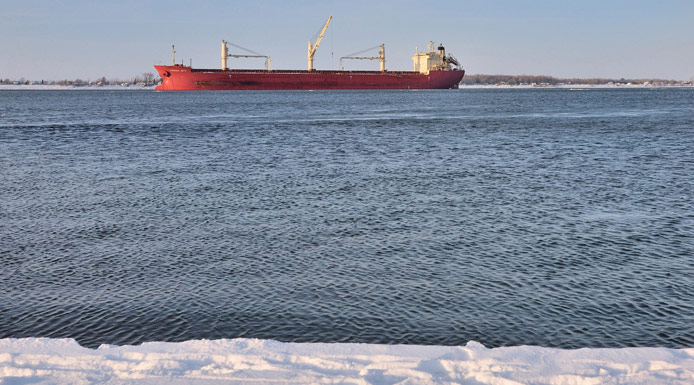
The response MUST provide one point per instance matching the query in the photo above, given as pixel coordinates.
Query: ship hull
(183, 78)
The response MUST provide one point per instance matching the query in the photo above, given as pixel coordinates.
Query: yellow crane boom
(313, 47)
(381, 57)
(226, 54)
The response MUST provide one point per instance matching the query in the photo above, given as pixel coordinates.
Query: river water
(541, 217)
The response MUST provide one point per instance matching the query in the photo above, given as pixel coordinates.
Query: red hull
(182, 78)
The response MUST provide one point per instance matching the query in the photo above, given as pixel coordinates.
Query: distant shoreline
(40, 87)
(49, 87)
(572, 86)
(545, 81)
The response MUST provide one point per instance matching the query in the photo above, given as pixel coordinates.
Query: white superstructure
(433, 60)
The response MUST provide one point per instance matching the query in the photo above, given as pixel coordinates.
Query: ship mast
(313, 47)
(225, 55)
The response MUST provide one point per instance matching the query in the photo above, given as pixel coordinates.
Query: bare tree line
(150, 79)
(483, 79)
(146, 79)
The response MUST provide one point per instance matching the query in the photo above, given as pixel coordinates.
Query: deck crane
(381, 57)
(225, 55)
(313, 47)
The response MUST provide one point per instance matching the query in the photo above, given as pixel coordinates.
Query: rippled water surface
(543, 217)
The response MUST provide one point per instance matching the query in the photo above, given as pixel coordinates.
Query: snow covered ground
(252, 361)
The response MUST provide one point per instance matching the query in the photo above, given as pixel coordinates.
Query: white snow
(253, 361)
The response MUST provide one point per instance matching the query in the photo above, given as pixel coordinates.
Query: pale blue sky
(121, 38)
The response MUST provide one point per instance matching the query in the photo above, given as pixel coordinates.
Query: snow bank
(252, 361)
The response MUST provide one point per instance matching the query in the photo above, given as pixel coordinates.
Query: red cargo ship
(433, 69)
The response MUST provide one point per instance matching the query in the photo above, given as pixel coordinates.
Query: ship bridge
(434, 60)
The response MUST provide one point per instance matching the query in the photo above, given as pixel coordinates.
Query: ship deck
(331, 72)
